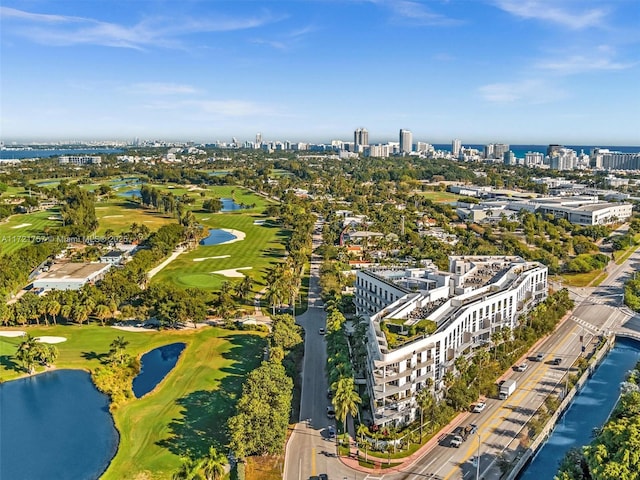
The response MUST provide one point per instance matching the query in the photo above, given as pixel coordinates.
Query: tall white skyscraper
(456, 145)
(258, 139)
(406, 141)
(360, 137)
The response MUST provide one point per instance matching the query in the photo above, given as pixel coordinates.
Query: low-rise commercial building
(71, 276)
(421, 319)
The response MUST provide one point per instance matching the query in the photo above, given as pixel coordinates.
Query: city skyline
(519, 71)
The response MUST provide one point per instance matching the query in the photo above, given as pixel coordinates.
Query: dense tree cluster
(260, 424)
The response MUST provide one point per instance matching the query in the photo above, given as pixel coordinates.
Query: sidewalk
(352, 460)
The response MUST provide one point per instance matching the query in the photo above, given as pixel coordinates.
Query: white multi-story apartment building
(436, 317)
(79, 160)
(533, 159)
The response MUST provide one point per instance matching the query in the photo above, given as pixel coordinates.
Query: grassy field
(581, 279)
(18, 231)
(187, 411)
(262, 247)
(118, 214)
(440, 197)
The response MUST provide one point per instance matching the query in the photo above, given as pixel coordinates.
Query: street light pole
(478, 458)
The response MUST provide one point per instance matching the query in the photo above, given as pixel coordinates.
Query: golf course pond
(216, 237)
(154, 366)
(228, 205)
(55, 425)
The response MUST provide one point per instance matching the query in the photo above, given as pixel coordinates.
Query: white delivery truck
(507, 388)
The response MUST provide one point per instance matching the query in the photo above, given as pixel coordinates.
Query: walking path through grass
(166, 262)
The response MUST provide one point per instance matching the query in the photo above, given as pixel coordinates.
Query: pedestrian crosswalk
(592, 328)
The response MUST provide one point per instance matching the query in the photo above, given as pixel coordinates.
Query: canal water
(55, 426)
(589, 409)
(154, 366)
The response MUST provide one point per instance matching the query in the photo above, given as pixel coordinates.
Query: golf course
(185, 414)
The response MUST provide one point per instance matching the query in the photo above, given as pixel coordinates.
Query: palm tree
(245, 287)
(53, 309)
(213, 464)
(26, 353)
(363, 433)
(189, 470)
(425, 402)
(102, 312)
(117, 350)
(346, 400)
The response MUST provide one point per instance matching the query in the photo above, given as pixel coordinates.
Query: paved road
(310, 451)
(499, 425)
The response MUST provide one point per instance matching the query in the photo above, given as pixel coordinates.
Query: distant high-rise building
(360, 138)
(456, 145)
(258, 139)
(509, 158)
(499, 149)
(488, 151)
(406, 141)
(532, 159)
(552, 148)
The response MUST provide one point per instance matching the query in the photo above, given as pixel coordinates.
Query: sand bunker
(232, 272)
(238, 234)
(22, 225)
(207, 218)
(48, 339)
(202, 259)
(112, 216)
(12, 333)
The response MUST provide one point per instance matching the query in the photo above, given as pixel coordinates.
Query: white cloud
(599, 59)
(416, 13)
(286, 41)
(156, 88)
(60, 30)
(555, 11)
(529, 91)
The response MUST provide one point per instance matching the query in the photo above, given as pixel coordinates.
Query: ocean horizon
(520, 150)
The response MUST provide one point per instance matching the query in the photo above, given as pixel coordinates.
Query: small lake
(589, 409)
(130, 193)
(154, 366)
(55, 425)
(216, 237)
(228, 205)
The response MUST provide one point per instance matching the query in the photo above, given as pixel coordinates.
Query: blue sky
(515, 71)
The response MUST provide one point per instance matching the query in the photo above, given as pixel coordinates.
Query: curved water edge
(154, 367)
(62, 411)
(217, 236)
(589, 409)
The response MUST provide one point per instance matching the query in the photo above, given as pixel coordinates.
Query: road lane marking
(516, 399)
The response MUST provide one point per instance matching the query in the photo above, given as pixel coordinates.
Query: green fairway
(118, 214)
(20, 230)
(262, 247)
(188, 410)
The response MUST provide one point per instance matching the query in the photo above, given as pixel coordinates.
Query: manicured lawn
(440, 197)
(118, 214)
(262, 247)
(580, 279)
(188, 410)
(18, 231)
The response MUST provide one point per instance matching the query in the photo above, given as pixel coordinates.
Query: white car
(480, 406)
(321, 331)
(522, 367)
(331, 413)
